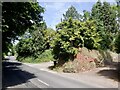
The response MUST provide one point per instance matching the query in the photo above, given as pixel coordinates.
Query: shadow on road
(13, 75)
(111, 73)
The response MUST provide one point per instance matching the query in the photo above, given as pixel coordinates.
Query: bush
(46, 56)
(73, 34)
(23, 48)
(25, 59)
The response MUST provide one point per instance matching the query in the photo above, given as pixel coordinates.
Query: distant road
(18, 75)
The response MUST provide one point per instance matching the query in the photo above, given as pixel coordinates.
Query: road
(18, 75)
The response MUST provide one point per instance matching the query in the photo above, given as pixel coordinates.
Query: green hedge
(46, 56)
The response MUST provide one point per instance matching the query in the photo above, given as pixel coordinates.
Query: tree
(117, 43)
(24, 48)
(118, 13)
(86, 15)
(32, 42)
(17, 17)
(73, 34)
(109, 18)
(110, 23)
(38, 42)
(71, 12)
(48, 35)
(96, 12)
(105, 17)
(117, 37)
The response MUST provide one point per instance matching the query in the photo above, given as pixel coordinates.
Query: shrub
(73, 34)
(46, 56)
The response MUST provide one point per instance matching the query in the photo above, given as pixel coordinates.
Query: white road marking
(42, 69)
(47, 70)
(43, 82)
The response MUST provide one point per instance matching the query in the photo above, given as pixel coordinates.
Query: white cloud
(55, 5)
(55, 10)
(59, 9)
(74, 0)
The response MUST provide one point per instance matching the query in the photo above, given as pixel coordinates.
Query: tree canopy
(105, 16)
(96, 29)
(73, 34)
(17, 17)
(71, 12)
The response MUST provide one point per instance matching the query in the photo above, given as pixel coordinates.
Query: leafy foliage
(109, 19)
(86, 15)
(24, 47)
(16, 19)
(34, 44)
(96, 29)
(117, 43)
(105, 17)
(73, 34)
(48, 36)
(71, 12)
(96, 12)
(31, 43)
(118, 13)
(46, 56)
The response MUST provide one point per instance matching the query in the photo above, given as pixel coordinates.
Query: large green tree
(105, 17)
(71, 12)
(48, 35)
(32, 43)
(73, 34)
(118, 13)
(117, 41)
(110, 24)
(96, 14)
(86, 15)
(109, 18)
(17, 17)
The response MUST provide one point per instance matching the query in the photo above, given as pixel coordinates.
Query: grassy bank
(46, 56)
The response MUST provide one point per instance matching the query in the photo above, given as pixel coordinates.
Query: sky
(54, 9)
